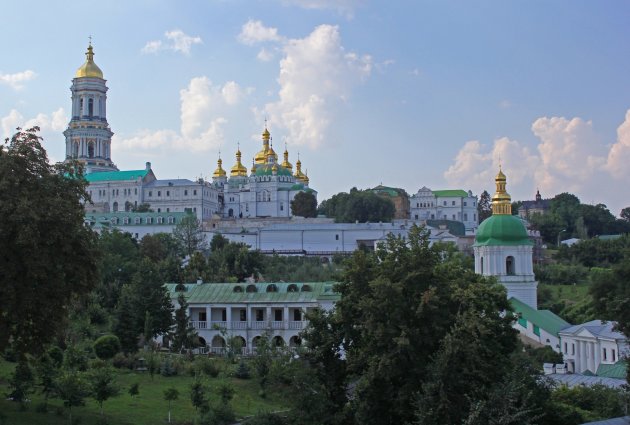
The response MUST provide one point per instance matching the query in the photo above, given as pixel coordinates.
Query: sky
(401, 93)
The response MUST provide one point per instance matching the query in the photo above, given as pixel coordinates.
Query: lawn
(148, 408)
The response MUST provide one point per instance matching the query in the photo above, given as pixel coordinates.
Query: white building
(248, 311)
(265, 192)
(594, 348)
(137, 224)
(455, 205)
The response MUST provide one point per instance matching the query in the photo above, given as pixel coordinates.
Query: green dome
(502, 229)
(266, 170)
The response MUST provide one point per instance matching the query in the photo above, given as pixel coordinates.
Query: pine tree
(184, 334)
(484, 206)
(125, 320)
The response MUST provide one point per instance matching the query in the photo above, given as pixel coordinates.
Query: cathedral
(265, 191)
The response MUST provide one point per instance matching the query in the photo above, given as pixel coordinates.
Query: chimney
(148, 166)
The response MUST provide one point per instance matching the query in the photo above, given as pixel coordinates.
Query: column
(208, 317)
(228, 317)
(285, 317)
(268, 314)
(582, 356)
(597, 349)
(591, 357)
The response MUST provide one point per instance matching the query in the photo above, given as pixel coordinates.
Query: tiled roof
(453, 193)
(225, 293)
(617, 370)
(115, 175)
(544, 319)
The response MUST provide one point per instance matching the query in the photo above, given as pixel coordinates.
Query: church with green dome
(503, 248)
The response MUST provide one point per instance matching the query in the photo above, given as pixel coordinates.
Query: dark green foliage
(21, 382)
(141, 208)
(242, 371)
(48, 254)
(102, 385)
(198, 396)
(206, 366)
(540, 355)
(74, 358)
(266, 419)
(222, 414)
(125, 320)
(226, 393)
(184, 333)
(298, 269)
(358, 205)
(625, 214)
(595, 252)
(71, 389)
(582, 404)
(56, 354)
(47, 371)
(106, 346)
(484, 206)
(167, 368)
(561, 274)
(263, 359)
(304, 205)
(170, 395)
(134, 389)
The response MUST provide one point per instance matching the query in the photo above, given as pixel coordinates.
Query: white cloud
(569, 157)
(16, 81)
(254, 32)
(619, 155)
(316, 77)
(265, 55)
(176, 40)
(232, 93)
(51, 125)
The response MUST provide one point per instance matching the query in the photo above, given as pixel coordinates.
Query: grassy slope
(148, 408)
(569, 293)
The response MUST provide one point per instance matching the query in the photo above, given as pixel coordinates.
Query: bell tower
(88, 136)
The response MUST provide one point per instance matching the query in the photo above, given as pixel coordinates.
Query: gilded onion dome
(238, 169)
(253, 171)
(286, 164)
(261, 156)
(219, 172)
(272, 153)
(501, 200)
(299, 175)
(89, 68)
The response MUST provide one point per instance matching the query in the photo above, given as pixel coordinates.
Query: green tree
(22, 382)
(484, 206)
(142, 208)
(102, 385)
(304, 204)
(47, 371)
(170, 395)
(48, 255)
(72, 390)
(184, 334)
(189, 234)
(625, 214)
(134, 389)
(358, 205)
(106, 346)
(125, 321)
(198, 396)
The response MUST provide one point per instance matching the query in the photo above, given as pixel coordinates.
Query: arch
(230, 212)
(256, 341)
(202, 341)
(295, 341)
(306, 288)
(218, 342)
(115, 207)
(237, 288)
(75, 149)
(272, 288)
(292, 288)
(239, 341)
(90, 149)
(277, 341)
(510, 265)
(90, 107)
(251, 288)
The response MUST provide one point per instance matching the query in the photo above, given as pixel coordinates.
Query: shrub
(266, 419)
(107, 346)
(242, 371)
(56, 354)
(207, 367)
(41, 408)
(121, 361)
(167, 369)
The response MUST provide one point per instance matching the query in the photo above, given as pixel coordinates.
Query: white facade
(455, 205)
(589, 345)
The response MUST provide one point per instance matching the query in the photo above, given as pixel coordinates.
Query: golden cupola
(286, 164)
(299, 175)
(89, 68)
(501, 200)
(261, 156)
(219, 172)
(273, 154)
(239, 170)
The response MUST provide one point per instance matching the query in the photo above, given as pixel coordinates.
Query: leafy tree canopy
(358, 205)
(304, 205)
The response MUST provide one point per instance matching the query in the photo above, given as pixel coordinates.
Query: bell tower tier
(88, 136)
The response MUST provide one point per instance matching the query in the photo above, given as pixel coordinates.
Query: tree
(189, 234)
(71, 389)
(41, 212)
(106, 346)
(21, 382)
(484, 206)
(134, 389)
(125, 321)
(198, 396)
(184, 334)
(47, 371)
(144, 207)
(102, 385)
(625, 214)
(304, 205)
(170, 395)
(358, 205)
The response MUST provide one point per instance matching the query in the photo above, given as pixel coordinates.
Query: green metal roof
(224, 293)
(617, 370)
(453, 193)
(502, 229)
(267, 170)
(544, 319)
(391, 191)
(115, 175)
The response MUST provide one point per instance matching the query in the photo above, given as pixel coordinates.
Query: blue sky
(404, 93)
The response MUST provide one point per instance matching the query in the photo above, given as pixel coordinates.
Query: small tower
(261, 156)
(219, 175)
(238, 170)
(286, 164)
(503, 248)
(299, 175)
(88, 136)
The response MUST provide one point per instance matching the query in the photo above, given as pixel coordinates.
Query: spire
(238, 169)
(501, 201)
(286, 164)
(261, 156)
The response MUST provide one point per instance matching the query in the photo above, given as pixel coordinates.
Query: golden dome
(274, 168)
(253, 171)
(219, 172)
(299, 175)
(286, 164)
(266, 135)
(261, 156)
(501, 200)
(89, 68)
(238, 169)
(271, 152)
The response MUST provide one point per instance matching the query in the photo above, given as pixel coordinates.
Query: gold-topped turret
(501, 201)
(238, 169)
(286, 164)
(219, 172)
(261, 156)
(89, 68)
(299, 175)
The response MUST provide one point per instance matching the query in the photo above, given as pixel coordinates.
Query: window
(149, 220)
(137, 220)
(272, 288)
(522, 322)
(91, 150)
(90, 107)
(573, 349)
(605, 354)
(259, 314)
(150, 193)
(168, 210)
(237, 288)
(416, 216)
(159, 193)
(465, 216)
(566, 349)
(171, 220)
(251, 288)
(464, 203)
(277, 315)
(444, 203)
(115, 206)
(126, 220)
(159, 209)
(336, 237)
(453, 217)
(195, 192)
(168, 193)
(452, 202)
(509, 265)
(243, 315)
(160, 220)
(292, 288)
(185, 192)
(614, 355)
(224, 315)
(135, 191)
(297, 315)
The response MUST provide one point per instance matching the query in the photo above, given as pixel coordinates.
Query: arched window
(237, 288)
(251, 288)
(115, 207)
(481, 265)
(292, 288)
(75, 149)
(80, 106)
(509, 265)
(306, 288)
(90, 107)
(230, 212)
(272, 288)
